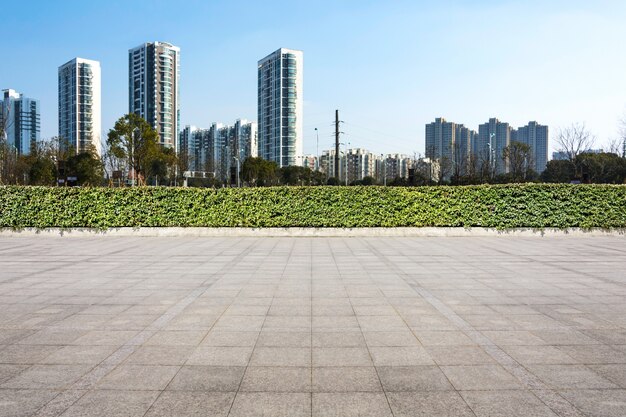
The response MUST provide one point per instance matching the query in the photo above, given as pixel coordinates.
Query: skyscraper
(153, 75)
(449, 141)
(493, 137)
(280, 107)
(536, 136)
(440, 139)
(20, 121)
(80, 122)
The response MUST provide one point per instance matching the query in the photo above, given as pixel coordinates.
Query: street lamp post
(238, 183)
(347, 144)
(317, 150)
(492, 155)
(384, 162)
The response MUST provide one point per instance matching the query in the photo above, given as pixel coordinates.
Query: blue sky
(389, 66)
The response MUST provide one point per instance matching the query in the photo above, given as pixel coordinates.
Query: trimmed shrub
(504, 206)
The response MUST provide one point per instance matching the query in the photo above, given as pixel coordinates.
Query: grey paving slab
(353, 404)
(269, 404)
(105, 403)
(249, 326)
(207, 378)
(346, 379)
(23, 402)
(506, 404)
(428, 404)
(191, 404)
(275, 379)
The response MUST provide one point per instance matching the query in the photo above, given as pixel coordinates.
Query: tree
(162, 165)
(603, 168)
(86, 167)
(520, 159)
(258, 171)
(295, 175)
(133, 139)
(559, 171)
(574, 140)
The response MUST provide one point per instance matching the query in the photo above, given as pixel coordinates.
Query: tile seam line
(554, 401)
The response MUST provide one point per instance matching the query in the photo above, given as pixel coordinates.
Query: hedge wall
(529, 205)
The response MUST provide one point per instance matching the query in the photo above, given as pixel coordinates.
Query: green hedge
(507, 206)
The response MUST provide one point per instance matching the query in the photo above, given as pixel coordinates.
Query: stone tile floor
(378, 327)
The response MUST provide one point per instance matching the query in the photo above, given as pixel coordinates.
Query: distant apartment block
(80, 122)
(536, 137)
(217, 149)
(395, 166)
(153, 88)
(280, 107)
(360, 163)
(20, 121)
(450, 142)
(310, 162)
(356, 164)
(493, 137)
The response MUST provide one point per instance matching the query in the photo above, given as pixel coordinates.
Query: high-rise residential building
(80, 123)
(396, 166)
(327, 163)
(190, 148)
(493, 137)
(450, 143)
(216, 150)
(280, 107)
(153, 88)
(440, 139)
(360, 163)
(20, 121)
(536, 137)
(311, 162)
(462, 149)
(244, 140)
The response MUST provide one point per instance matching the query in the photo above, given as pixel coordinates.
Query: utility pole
(337, 144)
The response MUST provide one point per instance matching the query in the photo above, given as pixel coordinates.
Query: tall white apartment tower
(20, 121)
(153, 92)
(280, 107)
(80, 122)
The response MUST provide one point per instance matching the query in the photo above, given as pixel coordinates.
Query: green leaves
(497, 206)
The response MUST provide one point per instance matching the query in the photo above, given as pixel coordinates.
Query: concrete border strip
(309, 232)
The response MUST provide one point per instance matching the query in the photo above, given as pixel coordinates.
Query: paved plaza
(490, 326)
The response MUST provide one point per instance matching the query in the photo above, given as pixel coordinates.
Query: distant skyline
(390, 67)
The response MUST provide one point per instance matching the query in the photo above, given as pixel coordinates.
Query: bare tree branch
(574, 140)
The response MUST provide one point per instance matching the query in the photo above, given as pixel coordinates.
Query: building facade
(493, 137)
(396, 166)
(450, 143)
(536, 136)
(280, 107)
(20, 121)
(80, 122)
(440, 139)
(153, 88)
(215, 150)
(360, 163)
